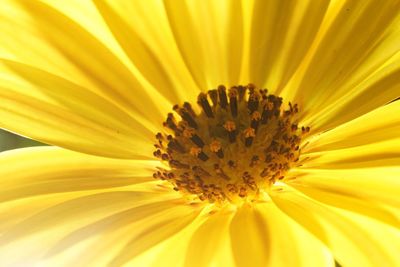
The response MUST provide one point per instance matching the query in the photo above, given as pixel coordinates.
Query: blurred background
(10, 141)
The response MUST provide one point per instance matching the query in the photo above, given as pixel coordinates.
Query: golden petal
(350, 68)
(281, 32)
(46, 170)
(350, 243)
(381, 124)
(209, 37)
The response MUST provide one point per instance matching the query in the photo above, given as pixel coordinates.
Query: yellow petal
(56, 37)
(378, 125)
(53, 110)
(291, 244)
(353, 65)
(209, 36)
(208, 242)
(350, 244)
(143, 31)
(94, 220)
(366, 190)
(46, 170)
(387, 237)
(281, 34)
(157, 229)
(172, 251)
(250, 237)
(379, 154)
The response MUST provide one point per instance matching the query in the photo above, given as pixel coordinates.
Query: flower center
(232, 149)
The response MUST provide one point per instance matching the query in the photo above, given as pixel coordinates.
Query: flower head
(200, 133)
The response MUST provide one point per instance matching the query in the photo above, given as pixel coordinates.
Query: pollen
(231, 147)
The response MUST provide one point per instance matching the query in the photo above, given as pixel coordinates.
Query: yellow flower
(241, 181)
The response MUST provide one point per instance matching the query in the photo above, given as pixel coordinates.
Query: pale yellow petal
(250, 237)
(172, 251)
(382, 124)
(209, 241)
(350, 244)
(290, 243)
(353, 64)
(58, 44)
(379, 154)
(387, 237)
(56, 201)
(209, 36)
(160, 228)
(46, 170)
(366, 190)
(108, 217)
(53, 110)
(281, 34)
(143, 31)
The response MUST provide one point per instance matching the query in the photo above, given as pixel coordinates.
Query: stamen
(221, 155)
(215, 147)
(213, 96)
(189, 108)
(233, 101)
(223, 101)
(203, 102)
(186, 116)
(196, 151)
(191, 134)
(242, 92)
(255, 120)
(252, 105)
(249, 135)
(231, 128)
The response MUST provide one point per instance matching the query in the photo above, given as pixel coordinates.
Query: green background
(10, 141)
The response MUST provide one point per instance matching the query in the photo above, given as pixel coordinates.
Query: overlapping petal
(209, 35)
(98, 80)
(350, 242)
(142, 29)
(379, 125)
(86, 66)
(45, 170)
(353, 64)
(280, 35)
(64, 199)
(264, 235)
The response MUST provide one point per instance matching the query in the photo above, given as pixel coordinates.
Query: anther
(215, 147)
(233, 101)
(177, 164)
(255, 160)
(187, 117)
(241, 92)
(159, 136)
(231, 164)
(223, 101)
(249, 135)
(243, 166)
(203, 102)
(213, 96)
(189, 108)
(255, 120)
(191, 134)
(263, 93)
(252, 104)
(171, 123)
(231, 128)
(200, 171)
(220, 172)
(176, 146)
(197, 152)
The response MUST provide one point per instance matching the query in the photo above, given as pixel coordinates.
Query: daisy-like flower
(201, 133)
